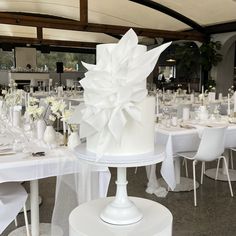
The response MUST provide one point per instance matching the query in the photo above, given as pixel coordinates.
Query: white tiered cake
(118, 116)
(137, 137)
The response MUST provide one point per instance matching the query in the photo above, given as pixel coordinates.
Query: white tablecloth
(180, 140)
(77, 183)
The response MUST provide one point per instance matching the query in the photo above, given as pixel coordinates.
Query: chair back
(212, 144)
(12, 199)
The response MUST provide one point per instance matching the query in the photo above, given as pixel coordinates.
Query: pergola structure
(85, 23)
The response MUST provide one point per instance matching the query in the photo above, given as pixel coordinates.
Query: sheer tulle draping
(91, 182)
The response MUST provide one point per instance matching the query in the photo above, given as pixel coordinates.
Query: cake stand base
(117, 214)
(121, 211)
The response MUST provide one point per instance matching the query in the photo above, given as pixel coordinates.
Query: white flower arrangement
(50, 100)
(66, 115)
(35, 112)
(13, 98)
(33, 101)
(56, 107)
(4, 92)
(231, 90)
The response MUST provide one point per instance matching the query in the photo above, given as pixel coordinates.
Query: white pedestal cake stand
(121, 211)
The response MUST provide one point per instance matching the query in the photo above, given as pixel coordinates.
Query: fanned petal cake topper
(114, 86)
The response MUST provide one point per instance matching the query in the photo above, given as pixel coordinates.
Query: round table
(121, 211)
(211, 173)
(85, 221)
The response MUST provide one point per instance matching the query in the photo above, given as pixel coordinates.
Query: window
(71, 61)
(6, 59)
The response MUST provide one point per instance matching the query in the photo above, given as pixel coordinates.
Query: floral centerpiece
(34, 111)
(73, 139)
(13, 98)
(231, 91)
(55, 108)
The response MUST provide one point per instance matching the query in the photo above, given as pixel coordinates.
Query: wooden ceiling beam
(39, 33)
(84, 12)
(221, 28)
(50, 42)
(152, 33)
(65, 24)
(170, 12)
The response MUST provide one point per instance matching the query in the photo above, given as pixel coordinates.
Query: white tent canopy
(118, 13)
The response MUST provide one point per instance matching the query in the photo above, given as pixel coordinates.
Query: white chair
(210, 148)
(12, 199)
(231, 157)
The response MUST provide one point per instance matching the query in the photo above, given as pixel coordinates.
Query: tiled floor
(214, 216)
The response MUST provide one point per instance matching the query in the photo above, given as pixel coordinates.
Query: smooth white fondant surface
(137, 137)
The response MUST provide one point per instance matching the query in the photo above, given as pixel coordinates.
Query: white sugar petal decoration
(98, 121)
(133, 112)
(86, 130)
(88, 66)
(117, 123)
(114, 87)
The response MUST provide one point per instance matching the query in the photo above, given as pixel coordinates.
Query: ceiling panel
(124, 12)
(77, 36)
(68, 9)
(17, 31)
(118, 12)
(204, 12)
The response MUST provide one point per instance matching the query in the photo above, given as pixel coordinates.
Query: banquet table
(57, 162)
(181, 139)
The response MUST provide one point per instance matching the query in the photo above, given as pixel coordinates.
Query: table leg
(34, 190)
(36, 228)
(177, 170)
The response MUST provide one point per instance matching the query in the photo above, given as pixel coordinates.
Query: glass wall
(71, 61)
(6, 59)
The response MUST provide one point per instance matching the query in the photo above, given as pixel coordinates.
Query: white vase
(16, 118)
(10, 114)
(41, 126)
(203, 113)
(49, 136)
(73, 140)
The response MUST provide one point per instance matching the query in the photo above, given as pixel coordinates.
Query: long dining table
(74, 178)
(186, 138)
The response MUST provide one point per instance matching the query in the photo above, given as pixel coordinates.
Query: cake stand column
(122, 210)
